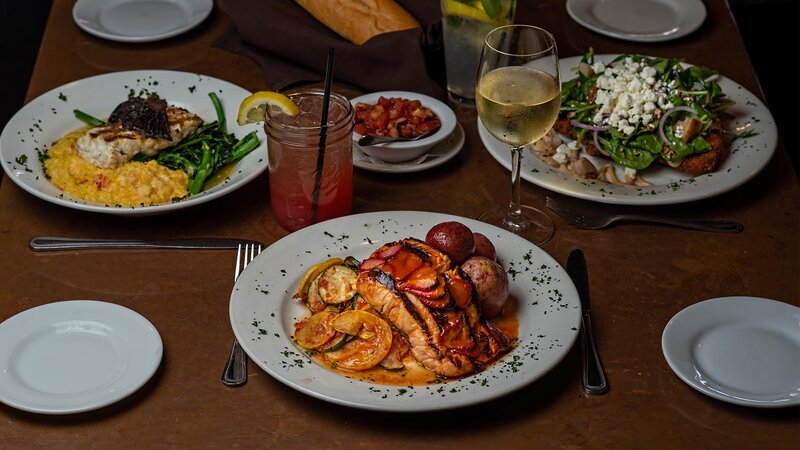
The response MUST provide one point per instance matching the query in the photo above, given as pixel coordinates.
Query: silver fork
(595, 221)
(235, 373)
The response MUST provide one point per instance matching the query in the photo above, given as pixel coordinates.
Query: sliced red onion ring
(597, 144)
(575, 123)
(668, 113)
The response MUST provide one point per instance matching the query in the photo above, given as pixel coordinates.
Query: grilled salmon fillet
(434, 308)
(112, 145)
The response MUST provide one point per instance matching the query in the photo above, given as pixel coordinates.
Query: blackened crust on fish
(146, 116)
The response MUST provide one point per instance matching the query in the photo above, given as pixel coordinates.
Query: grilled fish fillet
(448, 339)
(111, 145)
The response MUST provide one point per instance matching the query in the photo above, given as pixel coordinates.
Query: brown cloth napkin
(291, 47)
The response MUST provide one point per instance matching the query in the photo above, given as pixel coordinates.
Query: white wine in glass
(518, 96)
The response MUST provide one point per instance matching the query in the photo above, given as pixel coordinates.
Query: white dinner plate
(75, 356)
(263, 313)
(639, 20)
(47, 118)
(439, 154)
(747, 158)
(139, 20)
(741, 350)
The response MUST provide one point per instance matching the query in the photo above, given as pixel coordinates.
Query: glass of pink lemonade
(293, 147)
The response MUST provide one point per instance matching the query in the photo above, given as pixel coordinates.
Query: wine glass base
(533, 225)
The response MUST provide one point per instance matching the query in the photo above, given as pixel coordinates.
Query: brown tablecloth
(640, 277)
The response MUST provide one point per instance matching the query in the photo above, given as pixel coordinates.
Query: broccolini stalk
(203, 170)
(244, 146)
(220, 112)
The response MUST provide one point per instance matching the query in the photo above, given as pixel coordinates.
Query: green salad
(638, 109)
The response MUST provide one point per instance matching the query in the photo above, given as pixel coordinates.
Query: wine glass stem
(514, 219)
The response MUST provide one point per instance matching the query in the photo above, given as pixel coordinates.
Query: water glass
(465, 24)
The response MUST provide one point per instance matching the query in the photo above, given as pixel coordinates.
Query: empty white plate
(639, 20)
(139, 20)
(741, 350)
(75, 356)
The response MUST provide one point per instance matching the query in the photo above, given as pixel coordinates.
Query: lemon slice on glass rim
(263, 104)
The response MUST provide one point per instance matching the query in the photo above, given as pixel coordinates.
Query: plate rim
(66, 200)
(669, 338)
(575, 9)
(675, 196)
(403, 404)
(147, 333)
(203, 7)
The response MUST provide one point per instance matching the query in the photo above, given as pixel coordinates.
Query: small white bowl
(405, 151)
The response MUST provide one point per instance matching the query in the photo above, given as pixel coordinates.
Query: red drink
(293, 147)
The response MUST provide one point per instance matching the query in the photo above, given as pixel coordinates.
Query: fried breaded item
(707, 162)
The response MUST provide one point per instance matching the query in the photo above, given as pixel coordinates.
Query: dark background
(769, 29)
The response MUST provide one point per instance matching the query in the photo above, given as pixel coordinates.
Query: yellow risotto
(133, 184)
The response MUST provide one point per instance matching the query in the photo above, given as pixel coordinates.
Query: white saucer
(741, 350)
(75, 356)
(639, 20)
(440, 153)
(139, 20)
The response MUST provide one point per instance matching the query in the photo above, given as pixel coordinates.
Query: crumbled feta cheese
(562, 154)
(629, 174)
(629, 94)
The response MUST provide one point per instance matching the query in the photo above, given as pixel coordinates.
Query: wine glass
(518, 95)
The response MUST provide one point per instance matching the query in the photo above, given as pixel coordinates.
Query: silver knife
(48, 243)
(594, 378)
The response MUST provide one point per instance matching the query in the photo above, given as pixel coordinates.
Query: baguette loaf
(360, 20)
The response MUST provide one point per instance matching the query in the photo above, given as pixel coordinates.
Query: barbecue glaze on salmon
(433, 307)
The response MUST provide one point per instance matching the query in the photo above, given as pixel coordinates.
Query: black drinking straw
(323, 134)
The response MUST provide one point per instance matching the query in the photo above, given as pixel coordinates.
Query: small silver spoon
(369, 139)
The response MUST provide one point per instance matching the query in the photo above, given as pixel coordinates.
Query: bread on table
(360, 20)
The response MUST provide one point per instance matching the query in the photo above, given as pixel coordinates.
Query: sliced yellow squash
(314, 272)
(315, 331)
(372, 339)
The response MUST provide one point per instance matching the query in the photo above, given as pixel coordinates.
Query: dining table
(640, 276)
